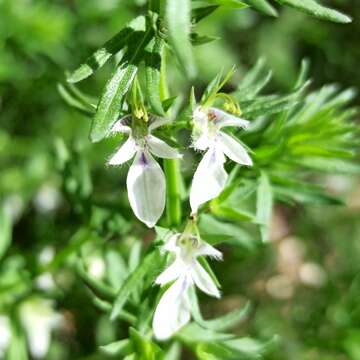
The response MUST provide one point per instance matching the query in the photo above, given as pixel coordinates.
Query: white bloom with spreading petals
(39, 319)
(5, 334)
(210, 176)
(146, 183)
(173, 310)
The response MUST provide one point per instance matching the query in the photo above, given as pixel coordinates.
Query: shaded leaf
(76, 99)
(110, 48)
(200, 13)
(5, 231)
(152, 73)
(221, 323)
(150, 266)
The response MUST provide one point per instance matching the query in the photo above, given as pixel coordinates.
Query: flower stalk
(173, 185)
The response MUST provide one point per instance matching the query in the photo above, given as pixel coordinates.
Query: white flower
(39, 319)
(173, 310)
(210, 176)
(5, 334)
(146, 184)
(45, 281)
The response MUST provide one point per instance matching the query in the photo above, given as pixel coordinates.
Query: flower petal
(207, 250)
(146, 188)
(223, 119)
(122, 125)
(172, 311)
(171, 244)
(124, 153)
(203, 280)
(5, 334)
(200, 116)
(209, 178)
(171, 273)
(233, 149)
(201, 139)
(39, 319)
(161, 149)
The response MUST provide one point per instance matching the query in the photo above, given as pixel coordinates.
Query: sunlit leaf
(314, 8)
(264, 205)
(178, 19)
(263, 6)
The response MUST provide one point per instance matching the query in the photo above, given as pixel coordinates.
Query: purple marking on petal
(143, 159)
(213, 156)
(183, 285)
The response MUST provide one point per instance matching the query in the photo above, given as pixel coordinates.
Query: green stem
(173, 185)
(171, 166)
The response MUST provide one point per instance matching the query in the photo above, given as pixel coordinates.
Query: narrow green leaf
(194, 333)
(212, 88)
(80, 237)
(134, 256)
(121, 347)
(116, 268)
(150, 266)
(234, 349)
(178, 19)
(303, 73)
(174, 351)
(152, 74)
(232, 213)
(251, 347)
(100, 289)
(263, 6)
(202, 12)
(197, 39)
(305, 195)
(252, 75)
(222, 323)
(235, 4)
(118, 85)
(315, 9)
(111, 100)
(268, 105)
(75, 99)
(215, 86)
(5, 231)
(145, 348)
(264, 205)
(110, 48)
(249, 92)
(17, 349)
(215, 231)
(335, 166)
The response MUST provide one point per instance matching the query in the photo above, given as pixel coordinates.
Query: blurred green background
(305, 285)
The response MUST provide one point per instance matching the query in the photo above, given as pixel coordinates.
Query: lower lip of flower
(143, 159)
